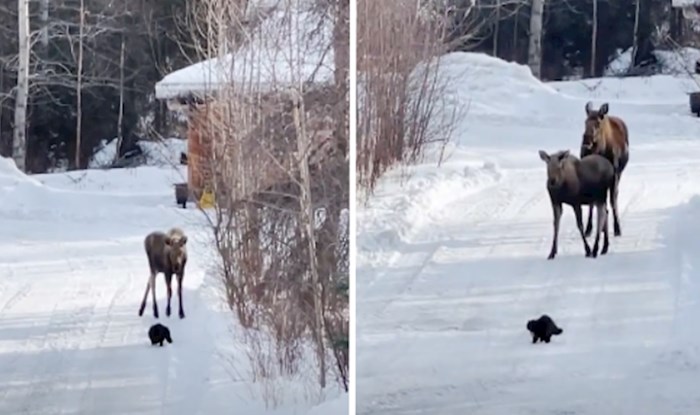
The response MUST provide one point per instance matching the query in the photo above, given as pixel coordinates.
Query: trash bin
(182, 194)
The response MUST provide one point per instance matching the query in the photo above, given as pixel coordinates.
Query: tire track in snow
(104, 328)
(24, 290)
(494, 211)
(70, 329)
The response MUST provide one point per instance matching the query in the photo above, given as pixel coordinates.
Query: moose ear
(589, 107)
(544, 156)
(603, 109)
(183, 240)
(564, 154)
(167, 240)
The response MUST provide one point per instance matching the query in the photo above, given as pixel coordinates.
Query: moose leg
(600, 210)
(613, 202)
(145, 297)
(152, 281)
(606, 241)
(168, 284)
(556, 209)
(579, 224)
(589, 225)
(179, 293)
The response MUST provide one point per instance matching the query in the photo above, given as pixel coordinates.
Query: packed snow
(73, 274)
(452, 264)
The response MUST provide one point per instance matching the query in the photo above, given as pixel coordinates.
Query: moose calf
(167, 253)
(579, 182)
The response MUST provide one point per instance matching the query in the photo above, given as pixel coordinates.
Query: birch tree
(79, 88)
(635, 35)
(19, 142)
(534, 55)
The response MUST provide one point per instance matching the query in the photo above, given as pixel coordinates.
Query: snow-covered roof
(289, 45)
(684, 3)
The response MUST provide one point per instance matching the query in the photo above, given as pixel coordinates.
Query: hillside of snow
(452, 264)
(72, 274)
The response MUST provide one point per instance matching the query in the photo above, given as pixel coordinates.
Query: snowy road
(72, 275)
(444, 292)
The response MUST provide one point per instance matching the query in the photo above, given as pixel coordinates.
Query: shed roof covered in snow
(684, 3)
(287, 46)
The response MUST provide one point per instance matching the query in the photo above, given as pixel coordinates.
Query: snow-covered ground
(679, 61)
(165, 153)
(72, 275)
(452, 265)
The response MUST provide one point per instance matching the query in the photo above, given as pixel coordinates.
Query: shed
(285, 46)
(690, 8)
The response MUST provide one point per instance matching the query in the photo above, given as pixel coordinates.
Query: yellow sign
(207, 199)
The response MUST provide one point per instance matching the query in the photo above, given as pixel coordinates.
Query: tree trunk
(19, 142)
(594, 38)
(120, 118)
(341, 55)
(3, 144)
(79, 87)
(515, 34)
(44, 18)
(635, 35)
(534, 50)
(496, 28)
(307, 217)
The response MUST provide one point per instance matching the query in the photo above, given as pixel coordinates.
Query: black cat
(543, 329)
(157, 333)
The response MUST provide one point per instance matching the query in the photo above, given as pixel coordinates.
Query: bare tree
(120, 118)
(272, 152)
(594, 37)
(534, 55)
(496, 28)
(79, 87)
(635, 35)
(19, 143)
(399, 85)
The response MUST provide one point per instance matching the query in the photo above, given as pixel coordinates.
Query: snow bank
(11, 176)
(680, 236)
(136, 181)
(337, 406)
(493, 86)
(398, 210)
(670, 62)
(267, 59)
(157, 153)
(648, 90)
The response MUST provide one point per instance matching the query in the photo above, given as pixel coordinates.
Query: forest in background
(557, 39)
(578, 38)
(112, 52)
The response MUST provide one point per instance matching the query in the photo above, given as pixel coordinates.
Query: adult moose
(608, 136)
(167, 253)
